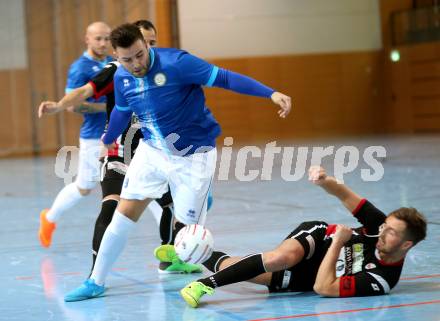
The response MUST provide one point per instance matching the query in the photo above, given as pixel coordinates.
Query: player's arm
(88, 107)
(327, 283)
(119, 119)
(197, 71)
(73, 98)
(246, 85)
(349, 199)
(98, 86)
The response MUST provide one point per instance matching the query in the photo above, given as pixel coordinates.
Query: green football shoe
(170, 262)
(166, 253)
(193, 292)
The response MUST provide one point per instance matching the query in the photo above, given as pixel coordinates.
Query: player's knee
(282, 258)
(277, 260)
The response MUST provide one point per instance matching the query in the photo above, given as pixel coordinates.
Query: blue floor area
(247, 217)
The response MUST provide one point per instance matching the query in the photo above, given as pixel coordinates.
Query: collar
(382, 262)
(152, 58)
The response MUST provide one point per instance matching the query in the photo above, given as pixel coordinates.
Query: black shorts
(112, 178)
(301, 277)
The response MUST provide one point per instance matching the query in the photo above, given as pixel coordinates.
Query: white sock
(157, 210)
(112, 244)
(64, 201)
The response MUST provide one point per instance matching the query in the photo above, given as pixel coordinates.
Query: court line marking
(420, 277)
(30, 277)
(121, 269)
(298, 316)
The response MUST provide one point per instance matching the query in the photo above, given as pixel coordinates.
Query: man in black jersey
(333, 260)
(115, 165)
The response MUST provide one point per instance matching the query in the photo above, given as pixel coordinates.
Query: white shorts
(89, 166)
(189, 178)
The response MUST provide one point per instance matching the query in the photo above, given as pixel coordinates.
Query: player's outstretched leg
(193, 292)
(46, 229)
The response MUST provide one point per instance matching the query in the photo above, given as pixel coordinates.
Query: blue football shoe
(88, 290)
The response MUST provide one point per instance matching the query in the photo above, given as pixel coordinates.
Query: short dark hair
(145, 24)
(415, 223)
(125, 35)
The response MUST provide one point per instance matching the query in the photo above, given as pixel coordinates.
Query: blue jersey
(80, 73)
(169, 101)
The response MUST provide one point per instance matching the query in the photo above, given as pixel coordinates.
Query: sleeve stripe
(347, 286)
(213, 76)
(382, 281)
(120, 108)
(94, 88)
(357, 209)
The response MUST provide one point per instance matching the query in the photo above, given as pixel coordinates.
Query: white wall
(12, 35)
(235, 28)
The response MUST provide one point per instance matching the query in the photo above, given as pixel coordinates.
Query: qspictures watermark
(235, 162)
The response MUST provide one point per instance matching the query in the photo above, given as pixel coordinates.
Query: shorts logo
(160, 79)
(126, 82)
(370, 266)
(95, 68)
(191, 213)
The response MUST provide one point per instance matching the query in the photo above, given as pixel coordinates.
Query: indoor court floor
(246, 217)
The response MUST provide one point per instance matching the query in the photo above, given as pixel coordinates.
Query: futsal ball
(194, 244)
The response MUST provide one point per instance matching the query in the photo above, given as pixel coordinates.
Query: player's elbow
(326, 290)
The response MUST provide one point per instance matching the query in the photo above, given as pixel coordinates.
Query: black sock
(177, 227)
(245, 269)
(213, 263)
(108, 208)
(166, 225)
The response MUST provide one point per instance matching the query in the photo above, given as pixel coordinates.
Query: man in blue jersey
(163, 87)
(80, 73)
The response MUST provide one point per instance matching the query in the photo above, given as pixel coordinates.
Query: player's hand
(48, 107)
(343, 234)
(317, 175)
(108, 146)
(284, 102)
(71, 109)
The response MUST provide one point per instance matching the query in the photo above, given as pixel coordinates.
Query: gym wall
(331, 57)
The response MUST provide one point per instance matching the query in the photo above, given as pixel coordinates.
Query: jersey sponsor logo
(126, 82)
(370, 266)
(358, 257)
(351, 259)
(340, 263)
(160, 79)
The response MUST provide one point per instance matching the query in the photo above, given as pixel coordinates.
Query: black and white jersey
(359, 266)
(102, 85)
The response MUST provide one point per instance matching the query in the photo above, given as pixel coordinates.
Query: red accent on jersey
(361, 203)
(106, 90)
(114, 151)
(398, 263)
(347, 286)
(331, 229)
